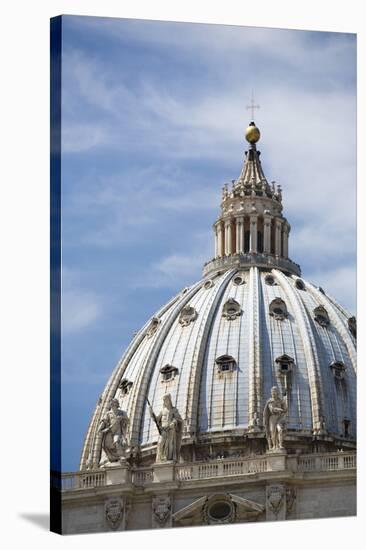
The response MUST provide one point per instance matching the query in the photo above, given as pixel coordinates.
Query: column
(286, 230)
(226, 232)
(229, 238)
(253, 234)
(239, 235)
(266, 234)
(278, 225)
(220, 238)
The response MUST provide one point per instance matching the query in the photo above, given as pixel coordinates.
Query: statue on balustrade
(273, 419)
(170, 426)
(114, 427)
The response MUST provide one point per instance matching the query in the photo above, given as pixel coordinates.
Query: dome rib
(338, 322)
(194, 384)
(255, 363)
(136, 413)
(311, 356)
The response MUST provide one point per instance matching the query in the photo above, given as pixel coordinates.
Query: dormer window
(208, 284)
(125, 386)
(299, 283)
(278, 309)
(338, 369)
(269, 280)
(168, 372)
(187, 315)
(352, 326)
(225, 363)
(231, 309)
(153, 327)
(321, 316)
(238, 280)
(284, 364)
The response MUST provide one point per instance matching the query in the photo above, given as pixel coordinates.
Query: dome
(220, 345)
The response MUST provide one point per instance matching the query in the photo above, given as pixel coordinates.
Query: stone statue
(170, 427)
(114, 427)
(273, 418)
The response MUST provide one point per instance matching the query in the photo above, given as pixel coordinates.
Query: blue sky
(152, 126)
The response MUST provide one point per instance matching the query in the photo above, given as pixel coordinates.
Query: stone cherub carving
(273, 420)
(114, 427)
(170, 427)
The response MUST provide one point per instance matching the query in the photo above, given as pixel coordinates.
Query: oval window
(220, 510)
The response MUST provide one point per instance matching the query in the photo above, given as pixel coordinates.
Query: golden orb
(252, 133)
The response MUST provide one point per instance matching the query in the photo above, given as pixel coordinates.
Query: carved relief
(161, 509)
(231, 309)
(114, 512)
(187, 316)
(290, 499)
(275, 498)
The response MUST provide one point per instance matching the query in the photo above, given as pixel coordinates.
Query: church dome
(219, 346)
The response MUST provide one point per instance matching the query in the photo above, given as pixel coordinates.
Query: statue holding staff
(273, 420)
(170, 426)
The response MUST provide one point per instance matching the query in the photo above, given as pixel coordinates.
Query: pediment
(218, 508)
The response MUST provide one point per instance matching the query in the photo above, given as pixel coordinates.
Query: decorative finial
(253, 106)
(252, 133)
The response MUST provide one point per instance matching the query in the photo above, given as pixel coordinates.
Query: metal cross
(252, 106)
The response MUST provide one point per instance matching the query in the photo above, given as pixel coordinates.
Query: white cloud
(80, 308)
(339, 283)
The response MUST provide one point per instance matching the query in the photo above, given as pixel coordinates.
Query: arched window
(269, 280)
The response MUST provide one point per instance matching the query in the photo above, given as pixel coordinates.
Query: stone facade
(269, 488)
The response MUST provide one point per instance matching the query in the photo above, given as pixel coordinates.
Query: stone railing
(326, 462)
(142, 475)
(220, 468)
(83, 480)
(246, 260)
